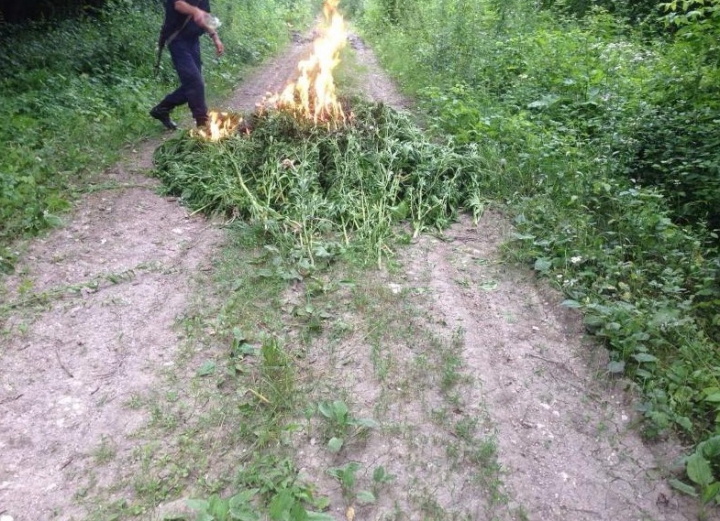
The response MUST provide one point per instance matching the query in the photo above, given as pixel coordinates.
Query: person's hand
(199, 17)
(219, 47)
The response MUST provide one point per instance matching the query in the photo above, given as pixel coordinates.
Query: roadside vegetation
(75, 92)
(600, 123)
(595, 126)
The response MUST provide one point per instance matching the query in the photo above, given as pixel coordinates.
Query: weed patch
(322, 191)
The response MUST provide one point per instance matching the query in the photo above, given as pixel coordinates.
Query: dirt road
(94, 329)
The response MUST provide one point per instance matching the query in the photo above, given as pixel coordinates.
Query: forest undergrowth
(595, 125)
(598, 123)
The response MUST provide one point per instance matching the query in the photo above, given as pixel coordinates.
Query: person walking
(185, 22)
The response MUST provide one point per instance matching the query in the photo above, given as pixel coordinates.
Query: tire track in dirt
(118, 274)
(566, 439)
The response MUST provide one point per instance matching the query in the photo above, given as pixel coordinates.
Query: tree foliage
(633, 10)
(16, 11)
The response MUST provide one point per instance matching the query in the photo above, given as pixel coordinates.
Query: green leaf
(368, 423)
(297, 513)
(710, 448)
(684, 422)
(572, 304)
(325, 410)
(219, 508)
(207, 368)
(713, 398)
(244, 513)
(51, 220)
(523, 236)
(340, 409)
(322, 502)
(683, 487)
(616, 367)
(281, 505)
(240, 507)
(335, 444)
(197, 504)
(365, 497)
(698, 470)
(379, 474)
(710, 492)
(642, 373)
(543, 265)
(644, 357)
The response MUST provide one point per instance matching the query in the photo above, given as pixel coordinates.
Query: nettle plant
(342, 425)
(703, 470)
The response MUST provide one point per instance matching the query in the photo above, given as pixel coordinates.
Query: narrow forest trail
(529, 430)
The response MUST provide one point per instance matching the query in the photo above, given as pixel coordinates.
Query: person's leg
(162, 110)
(186, 58)
(196, 99)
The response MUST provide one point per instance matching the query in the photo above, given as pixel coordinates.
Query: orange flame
(312, 96)
(219, 125)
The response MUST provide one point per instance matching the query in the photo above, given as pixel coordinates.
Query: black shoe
(163, 116)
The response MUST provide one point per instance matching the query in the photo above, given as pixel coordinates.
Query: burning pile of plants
(326, 189)
(318, 172)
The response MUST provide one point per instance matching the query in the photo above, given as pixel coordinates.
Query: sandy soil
(566, 437)
(119, 272)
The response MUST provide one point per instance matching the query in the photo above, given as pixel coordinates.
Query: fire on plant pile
(311, 97)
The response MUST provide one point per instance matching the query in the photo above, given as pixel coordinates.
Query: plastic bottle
(212, 22)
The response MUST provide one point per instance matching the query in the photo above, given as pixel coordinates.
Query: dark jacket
(174, 20)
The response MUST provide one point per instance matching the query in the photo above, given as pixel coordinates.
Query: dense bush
(678, 147)
(73, 87)
(679, 151)
(633, 10)
(19, 11)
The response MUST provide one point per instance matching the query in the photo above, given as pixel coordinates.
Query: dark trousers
(185, 54)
